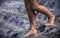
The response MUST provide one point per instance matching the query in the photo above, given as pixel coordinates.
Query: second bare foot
(50, 21)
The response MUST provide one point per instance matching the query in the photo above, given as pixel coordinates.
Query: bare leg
(32, 19)
(44, 10)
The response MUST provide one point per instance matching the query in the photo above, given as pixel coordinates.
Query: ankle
(33, 29)
(52, 16)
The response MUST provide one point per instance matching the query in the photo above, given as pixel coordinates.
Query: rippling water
(14, 21)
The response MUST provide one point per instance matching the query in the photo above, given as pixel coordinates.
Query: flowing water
(14, 21)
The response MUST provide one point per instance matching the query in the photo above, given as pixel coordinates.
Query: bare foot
(31, 32)
(50, 21)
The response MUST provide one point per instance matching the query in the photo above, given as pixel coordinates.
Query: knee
(35, 7)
